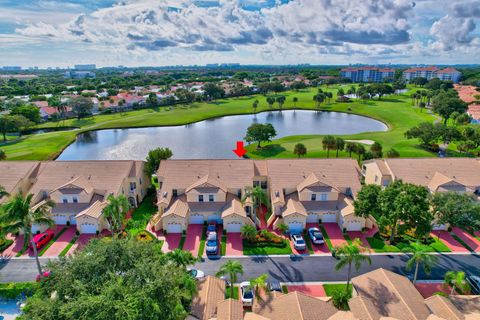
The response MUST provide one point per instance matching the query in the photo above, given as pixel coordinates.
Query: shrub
(340, 299)
(144, 236)
(14, 289)
(5, 243)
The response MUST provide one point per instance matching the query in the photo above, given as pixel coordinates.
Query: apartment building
(432, 72)
(367, 74)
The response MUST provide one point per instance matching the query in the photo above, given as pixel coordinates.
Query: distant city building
(12, 68)
(432, 72)
(79, 74)
(367, 74)
(85, 67)
(212, 65)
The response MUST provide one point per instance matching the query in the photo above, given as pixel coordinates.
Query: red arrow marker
(240, 151)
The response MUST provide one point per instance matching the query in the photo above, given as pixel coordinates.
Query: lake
(213, 138)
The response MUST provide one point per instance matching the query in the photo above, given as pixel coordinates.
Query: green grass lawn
(332, 287)
(201, 247)
(379, 245)
(141, 215)
(396, 111)
(264, 249)
(308, 241)
(69, 245)
(182, 242)
(326, 237)
(223, 247)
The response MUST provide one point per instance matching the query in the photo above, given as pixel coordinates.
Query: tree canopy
(154, 157)
(259, 132)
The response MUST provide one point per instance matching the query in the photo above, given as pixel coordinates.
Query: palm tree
(231, 268)
(295, 100)
(19, 216)
(255, 105)
(350, 254)
(181, 258)
(248, 232)
(360, 150)
(420, 257)
(328, 143)
(319, 98)
(258, 284)
(282, 228)
(258, 197)
(456, 279)
(115, 212)
(350, 147)
(339, 145)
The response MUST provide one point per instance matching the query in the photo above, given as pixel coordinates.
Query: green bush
(340, 299)
(5, 243)
(14, 289)
(144, 236)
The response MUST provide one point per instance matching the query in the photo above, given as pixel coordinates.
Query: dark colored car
(474, 283)
(274, 286)
(42, 239)
(315, 235)
(211, 227)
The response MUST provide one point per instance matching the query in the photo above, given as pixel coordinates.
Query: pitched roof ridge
(360, 298)
(395, 289)
(444, 303)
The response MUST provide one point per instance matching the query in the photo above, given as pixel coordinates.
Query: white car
(247, 294)
(298, 242)
(195, 273)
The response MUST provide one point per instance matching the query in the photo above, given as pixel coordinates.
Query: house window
(200, 198)
(75, 199)
(314, 197)
(376, 178)
(323, 197)
(174, 193)
(211, 197)
(256, 183)
(247, 209)
(264, 184)
(133, 186)
(140, 181)
(64, 200)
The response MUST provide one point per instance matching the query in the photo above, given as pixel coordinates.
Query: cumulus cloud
(227, 26)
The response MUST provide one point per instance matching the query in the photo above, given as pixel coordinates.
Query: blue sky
(169, 32)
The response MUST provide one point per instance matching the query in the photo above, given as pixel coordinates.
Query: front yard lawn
(306, 236)
(250, 248)
(69, 245)
(201, 247)
(379, 245)
(326, 237)
(141, 215)
(331, 288)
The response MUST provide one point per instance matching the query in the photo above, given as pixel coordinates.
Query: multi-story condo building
(367, 74)
(301, 191)
(432, 72)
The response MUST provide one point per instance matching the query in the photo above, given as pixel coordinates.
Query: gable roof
(178, 208)
(207, 181)
(444, 308)
(79, 182)
(94, 211)
(211, 290)
(312, 182)
(294, 207)
(230, 309)
(235, 208)
(14, 171)
(382, 293)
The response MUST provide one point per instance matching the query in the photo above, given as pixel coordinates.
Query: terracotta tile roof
(444, 308)
(208, 182)
(294, 207)
(421, 69)
(235, 208)
(382, 293)
(296, 305)
(14, 171)
(95, 210)
(211, 290)
(312, 182)
(230, 309)
(347, 207)
(178, 208)
(254, 316)
(467, 304)
(448, 70)
(343, 315)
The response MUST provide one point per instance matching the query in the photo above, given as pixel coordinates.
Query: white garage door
(329, 217)
(295, 227)
(312, 218)
(439, 227)
(354, 226)
(88, 228)
(174, 228)
(73, 220)
(196, 219)
(60, 219)
(234, 226)
(214, 217)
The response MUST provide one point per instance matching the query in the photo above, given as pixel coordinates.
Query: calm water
(210, 138)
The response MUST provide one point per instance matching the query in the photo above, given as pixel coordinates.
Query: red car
(42, 239)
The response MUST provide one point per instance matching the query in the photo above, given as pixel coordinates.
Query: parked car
(195, 273)
(212, 227)
(298, 242)
(212, 244)
(474, 282)
(274, 286)
(45, 274)
(315, 236)
(247, 294)
(42, 239)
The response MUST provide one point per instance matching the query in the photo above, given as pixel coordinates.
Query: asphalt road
(285, 269)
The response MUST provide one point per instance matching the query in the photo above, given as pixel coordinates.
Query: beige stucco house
(301, 191)
(437, 174)
(80, 189)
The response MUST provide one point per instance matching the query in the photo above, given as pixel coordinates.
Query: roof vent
(165, 194)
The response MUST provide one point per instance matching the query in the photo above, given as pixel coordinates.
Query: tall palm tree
(19, 215)
(115, 212)
(248, 232)
(258, 197)
(295, 100)
(259, 284)
(456, 279)
(232, 268)
(328, 143)
(350, 254)
(420, 257)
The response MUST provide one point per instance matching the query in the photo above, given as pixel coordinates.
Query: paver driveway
(429, 289)
(317, 248)
(172, 241)
(192, 240)
(234, 244)
(55, 230)
(315, 290)
(470, 240)
(81, 242)
(335, 234)
(61, 242)
(449, 241)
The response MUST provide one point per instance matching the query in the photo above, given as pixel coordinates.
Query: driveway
(81, 242)
(314, 290)
(470, 240)
(234, 244)
(449, 241)
(427, 289)
(56, 231)
(335, 234)
(61, 242)
(363, 236)
(172, 241)
(15, 247)
(317, 248)
(192, 240)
